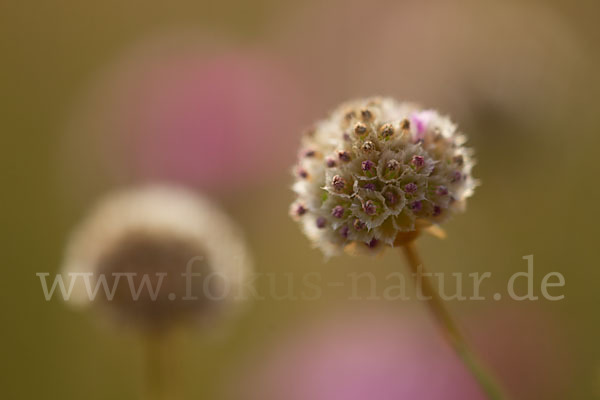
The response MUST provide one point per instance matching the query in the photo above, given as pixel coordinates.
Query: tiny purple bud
(344, 155)
(441, 190)
(369, 207)
(337, 211)
(390, 198)
(372, 243)
(416, 205)
(321, 222)
(338, 183)
(302, 173)
(309, 153)
(300, 210)
(370, 186)
(344, 230)
(330, 163)
(367, 165)
(437, 210)
(411, 187)
(418, 161)
(359, 225)
(457, 176)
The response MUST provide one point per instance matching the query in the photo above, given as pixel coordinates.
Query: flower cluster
(376, 171)
(158, 230)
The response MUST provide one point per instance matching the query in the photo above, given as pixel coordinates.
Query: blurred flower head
(362, 355)
(146, 232)
(376, 170)
(198, 114)
(515, 58)
(388, 354)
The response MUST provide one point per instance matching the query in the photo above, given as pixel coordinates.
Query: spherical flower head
(134, 236)
(380, 171)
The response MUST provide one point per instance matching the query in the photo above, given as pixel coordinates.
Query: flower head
(145, 243)
(382, 171)
(177, 108)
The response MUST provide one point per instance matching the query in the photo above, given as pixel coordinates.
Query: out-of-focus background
(214, 95)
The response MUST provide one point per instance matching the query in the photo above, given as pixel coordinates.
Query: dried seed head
(155, 233)
(360, 129)
(386, 130)
(392, 165)
(368, 146)
(366, 115)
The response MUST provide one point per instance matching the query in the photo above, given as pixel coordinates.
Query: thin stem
(449, 326)
(161, 369)
(154, 374)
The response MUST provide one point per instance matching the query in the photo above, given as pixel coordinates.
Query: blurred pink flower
(460, 56)
(387, 355)
(213, 116)
(528, 348)
(363, 356)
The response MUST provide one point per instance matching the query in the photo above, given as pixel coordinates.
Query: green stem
(154, 376)
(158, 351)
(451, 331)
